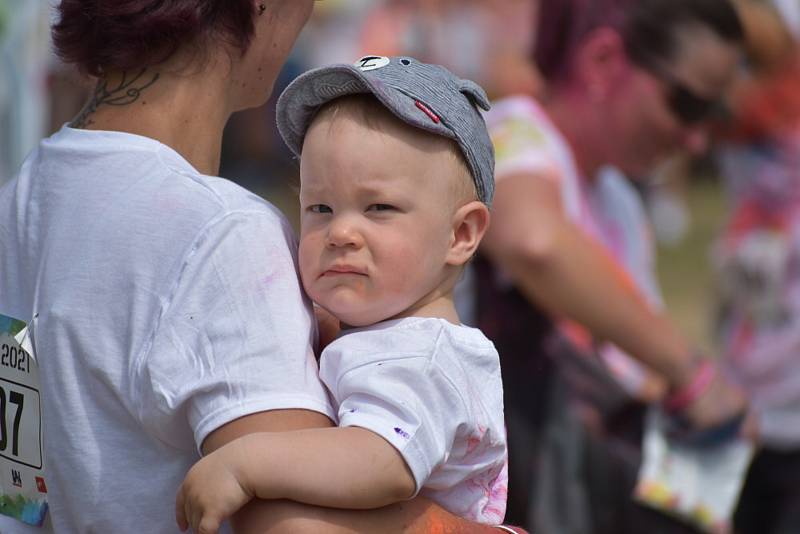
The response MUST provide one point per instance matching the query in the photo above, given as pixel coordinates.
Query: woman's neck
(186, 112)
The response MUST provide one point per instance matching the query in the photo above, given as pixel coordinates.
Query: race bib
(23, 491)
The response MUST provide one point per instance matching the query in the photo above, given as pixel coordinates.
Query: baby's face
(376, 218)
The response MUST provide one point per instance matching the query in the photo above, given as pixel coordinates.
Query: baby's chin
(353, 319)
(358, 308)
(358, 320)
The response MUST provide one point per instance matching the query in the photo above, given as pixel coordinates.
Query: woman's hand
(720, 403)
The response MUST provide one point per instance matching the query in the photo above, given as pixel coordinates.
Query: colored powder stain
(401, 432)
(439, 523)
(436, 527)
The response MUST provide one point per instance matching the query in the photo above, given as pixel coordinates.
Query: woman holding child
(165, 308)
(629, 83)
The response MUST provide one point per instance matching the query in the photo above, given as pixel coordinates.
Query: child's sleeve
(407, 400)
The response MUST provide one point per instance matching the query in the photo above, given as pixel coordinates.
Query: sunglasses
(689, 107)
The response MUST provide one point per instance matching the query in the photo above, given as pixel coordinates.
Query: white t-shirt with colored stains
(433, 390)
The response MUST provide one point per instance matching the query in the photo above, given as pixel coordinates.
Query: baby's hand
(212, 491)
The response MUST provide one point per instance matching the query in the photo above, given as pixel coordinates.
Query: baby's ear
(470, 222)
(475, 93)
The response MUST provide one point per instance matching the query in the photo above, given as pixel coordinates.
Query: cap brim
(301, 100)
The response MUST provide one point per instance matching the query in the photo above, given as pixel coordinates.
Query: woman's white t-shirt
(167, 304)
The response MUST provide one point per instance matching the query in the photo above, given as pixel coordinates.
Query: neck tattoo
(126, 92)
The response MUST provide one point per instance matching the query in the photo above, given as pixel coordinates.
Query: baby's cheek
(399, 287)
(305, 277)
(307, 257)
(314, 292)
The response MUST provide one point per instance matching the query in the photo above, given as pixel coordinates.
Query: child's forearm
(335, 467)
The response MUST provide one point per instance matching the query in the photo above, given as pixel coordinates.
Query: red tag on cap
(427, 111)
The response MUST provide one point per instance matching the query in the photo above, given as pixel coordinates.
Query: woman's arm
(556, 265)
(559, 267)
(417, 516)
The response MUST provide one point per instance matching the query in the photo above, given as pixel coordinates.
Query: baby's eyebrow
(371, 190)
(307, 188)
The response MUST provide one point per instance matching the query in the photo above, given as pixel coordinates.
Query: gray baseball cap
(425, 96)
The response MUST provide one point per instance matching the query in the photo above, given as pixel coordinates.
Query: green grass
(684, 270)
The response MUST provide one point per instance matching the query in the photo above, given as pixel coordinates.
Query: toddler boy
(396, 179)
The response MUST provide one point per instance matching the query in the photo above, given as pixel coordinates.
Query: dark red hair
(117, 35)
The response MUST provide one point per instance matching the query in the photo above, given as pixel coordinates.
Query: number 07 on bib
(23, 491)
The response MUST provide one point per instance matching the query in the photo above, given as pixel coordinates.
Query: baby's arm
(347, 467)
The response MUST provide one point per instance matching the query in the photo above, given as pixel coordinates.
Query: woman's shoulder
(524, 139)
(515, 108)
(519, 121)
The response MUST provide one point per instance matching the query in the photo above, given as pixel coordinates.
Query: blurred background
(487, 41)
(692, 202)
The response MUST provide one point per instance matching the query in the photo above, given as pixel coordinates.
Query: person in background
(163, 302)
(484, 41)
(26, 62)
(569, 254)
(756, 255)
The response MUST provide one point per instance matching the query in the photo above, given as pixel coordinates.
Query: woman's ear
(600, 62)
(470, 222)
